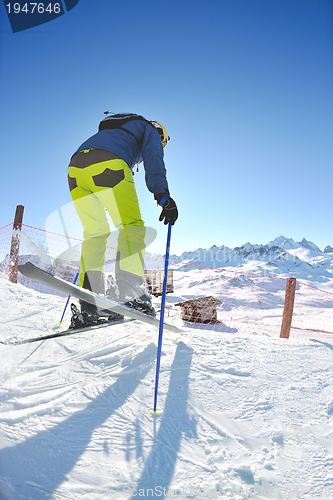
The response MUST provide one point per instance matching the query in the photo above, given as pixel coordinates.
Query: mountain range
(282, 257)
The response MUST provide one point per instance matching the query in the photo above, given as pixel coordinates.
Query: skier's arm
(153, 160)
(152, 153)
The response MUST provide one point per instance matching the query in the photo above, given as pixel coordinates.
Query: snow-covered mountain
(221, 256)
(282, 256)
(290, 244)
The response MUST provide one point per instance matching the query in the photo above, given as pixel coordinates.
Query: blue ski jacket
(143, 143)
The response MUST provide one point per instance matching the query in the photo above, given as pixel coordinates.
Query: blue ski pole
(63, 314)
(159, 348)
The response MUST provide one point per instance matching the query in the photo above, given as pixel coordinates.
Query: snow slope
(243, 416)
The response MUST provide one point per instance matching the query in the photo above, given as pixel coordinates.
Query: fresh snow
(242, 416)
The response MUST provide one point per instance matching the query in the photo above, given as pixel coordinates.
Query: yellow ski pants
(100, 181)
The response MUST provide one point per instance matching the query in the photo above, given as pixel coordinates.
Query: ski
(69, 331)
(45, 278)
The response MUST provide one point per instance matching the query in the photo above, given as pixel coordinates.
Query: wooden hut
(200, 310)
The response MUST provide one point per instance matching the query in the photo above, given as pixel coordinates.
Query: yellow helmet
(163, 133)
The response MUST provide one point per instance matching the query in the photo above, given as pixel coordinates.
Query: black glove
(169, 208)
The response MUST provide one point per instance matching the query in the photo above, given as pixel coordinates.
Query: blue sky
(243, 87)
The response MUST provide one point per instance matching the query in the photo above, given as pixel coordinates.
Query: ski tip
(156, 412)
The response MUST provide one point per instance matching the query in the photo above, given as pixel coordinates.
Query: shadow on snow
(173, 423)
(39, 465)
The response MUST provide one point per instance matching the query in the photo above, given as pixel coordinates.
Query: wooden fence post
(288, 308)
(15, 244)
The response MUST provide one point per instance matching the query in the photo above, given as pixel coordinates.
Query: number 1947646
(31, 8)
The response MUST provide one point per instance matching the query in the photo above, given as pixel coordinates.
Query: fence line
(213, 299)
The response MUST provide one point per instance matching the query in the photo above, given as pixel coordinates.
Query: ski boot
(133, 294)
(90, 316)
(112, 293)
(86, 317)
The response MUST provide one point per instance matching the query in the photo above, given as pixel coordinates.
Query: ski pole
(63, 314)
(159, 348)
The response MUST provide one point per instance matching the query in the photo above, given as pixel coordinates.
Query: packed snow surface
(242, 416)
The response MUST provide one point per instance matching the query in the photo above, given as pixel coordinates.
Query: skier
(100, 176)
